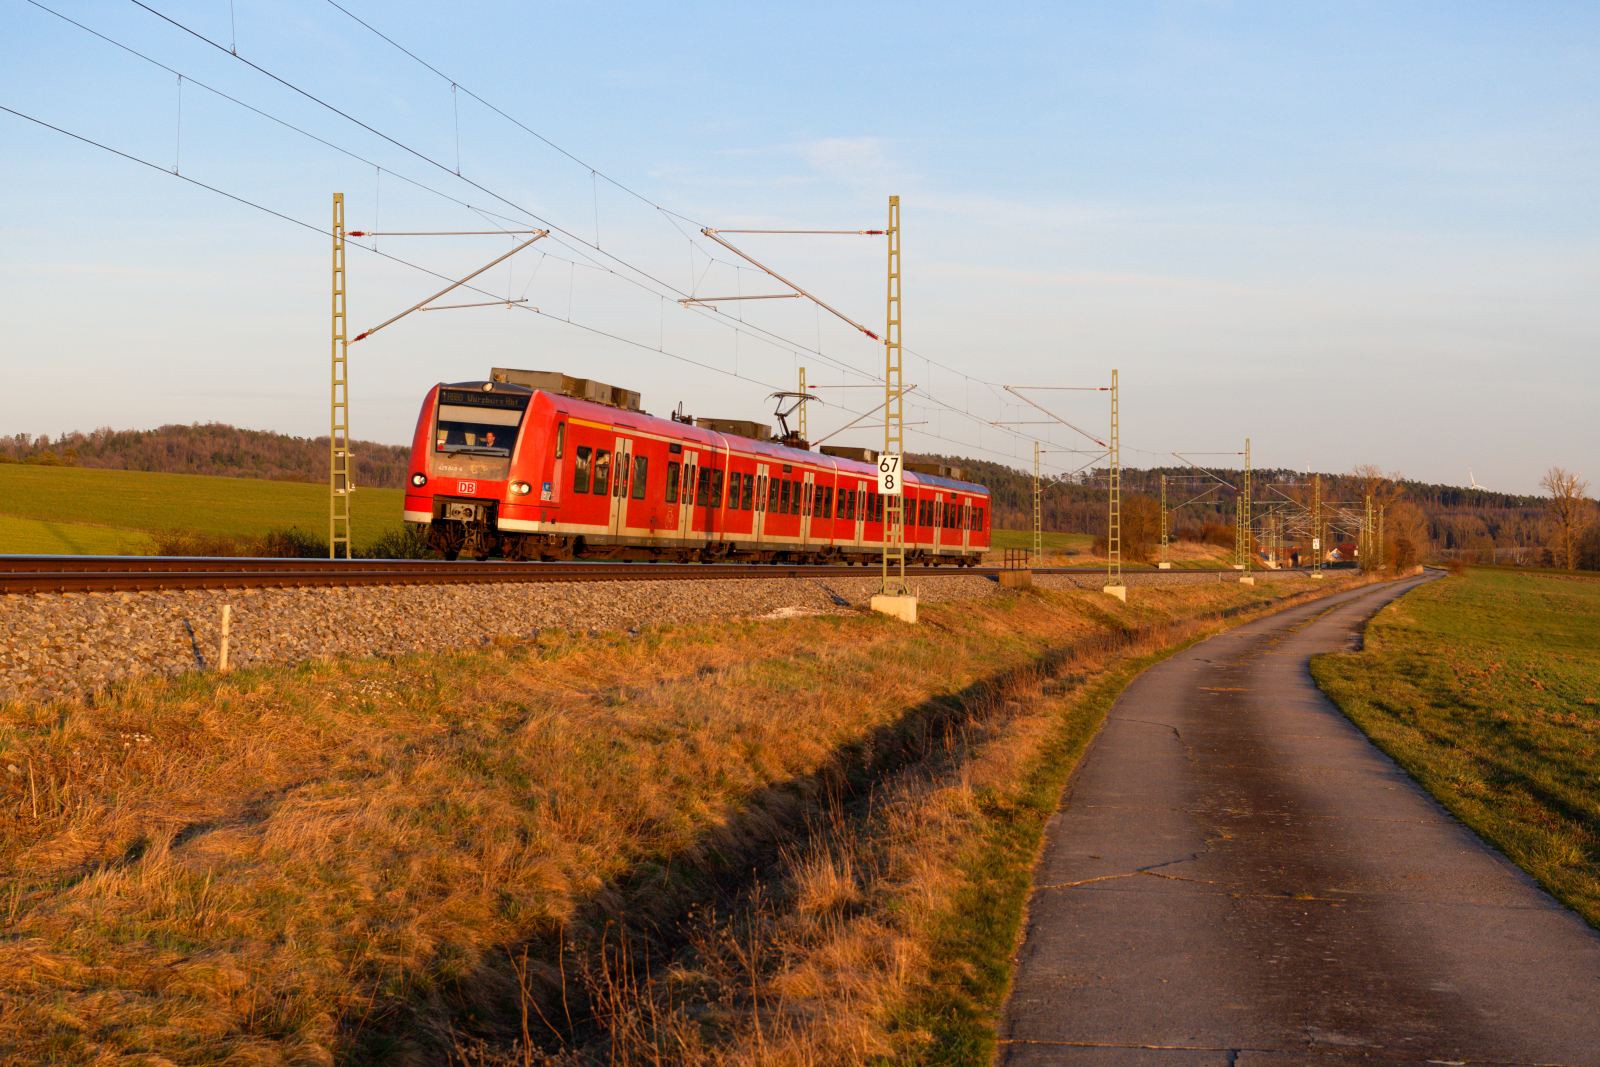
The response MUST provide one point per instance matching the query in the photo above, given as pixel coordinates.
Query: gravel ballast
(55, 646)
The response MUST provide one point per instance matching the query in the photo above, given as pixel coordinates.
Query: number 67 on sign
(889, 475)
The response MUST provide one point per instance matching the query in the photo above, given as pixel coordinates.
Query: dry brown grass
(718, 844)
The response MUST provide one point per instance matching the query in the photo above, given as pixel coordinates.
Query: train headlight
(419, 479)
(521, 488)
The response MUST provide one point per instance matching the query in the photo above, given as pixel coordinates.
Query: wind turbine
(1474, 482)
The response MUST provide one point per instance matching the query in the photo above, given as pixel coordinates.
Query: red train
(536, 474)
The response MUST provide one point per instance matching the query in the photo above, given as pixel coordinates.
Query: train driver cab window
(640, 465)
(477, 423)
(672, 482)
(602, 471)
(747, 499)
(561, 438)
(580, 469)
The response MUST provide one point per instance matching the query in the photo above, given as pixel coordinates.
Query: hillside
(67, 510)
(1509, 526)
(213, 448)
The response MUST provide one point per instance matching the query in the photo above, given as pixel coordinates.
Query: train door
(758, 520)
(966, 524)
(861, 512)
(691, 464)
(808, 486)
(621, 468)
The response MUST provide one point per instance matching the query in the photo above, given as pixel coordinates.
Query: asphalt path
(1236, 875)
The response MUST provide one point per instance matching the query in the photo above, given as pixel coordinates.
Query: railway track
(107, 574)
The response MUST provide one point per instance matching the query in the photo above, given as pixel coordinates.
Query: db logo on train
(467, 488)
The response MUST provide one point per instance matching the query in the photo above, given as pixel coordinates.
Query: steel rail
(108, 574)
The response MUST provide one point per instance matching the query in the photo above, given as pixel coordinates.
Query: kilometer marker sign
(889, 475)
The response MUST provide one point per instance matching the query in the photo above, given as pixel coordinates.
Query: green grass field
(1486, 689)
(98, 512)
(1053, 542)
(1186, 555)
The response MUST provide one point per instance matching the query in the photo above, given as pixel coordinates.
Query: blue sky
(1354, 233)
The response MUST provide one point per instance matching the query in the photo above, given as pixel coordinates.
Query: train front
(473, 440)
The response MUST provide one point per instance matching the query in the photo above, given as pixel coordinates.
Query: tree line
(210, 448)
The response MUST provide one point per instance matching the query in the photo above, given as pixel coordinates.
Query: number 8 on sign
(889, 475)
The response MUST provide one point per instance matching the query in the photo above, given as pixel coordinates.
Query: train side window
(827, 501)
(702, 489)
(748, 496)
(580, 470)
(851, 493)
(561, 438)
(641, 465)
(716, 488)
(783, 496)
(602, 471)
(878, 501)
(672, 482)
(772, 494)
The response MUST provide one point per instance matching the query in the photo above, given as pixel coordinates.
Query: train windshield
(478, 423)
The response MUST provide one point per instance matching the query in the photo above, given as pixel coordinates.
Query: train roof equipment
(564, 385)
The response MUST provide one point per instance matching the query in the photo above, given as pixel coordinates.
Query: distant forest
(211, 448)
(1502, 526)
(1438, 517)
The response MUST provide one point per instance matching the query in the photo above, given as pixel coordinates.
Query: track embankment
(59, 645)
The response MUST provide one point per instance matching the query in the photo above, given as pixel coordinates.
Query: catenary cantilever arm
(452, 285)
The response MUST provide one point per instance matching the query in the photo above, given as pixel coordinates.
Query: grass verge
(1486, 689)
(744, 843)
(39, 538)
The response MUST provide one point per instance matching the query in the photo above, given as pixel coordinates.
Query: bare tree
(1383, 490)
(1570, 507)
